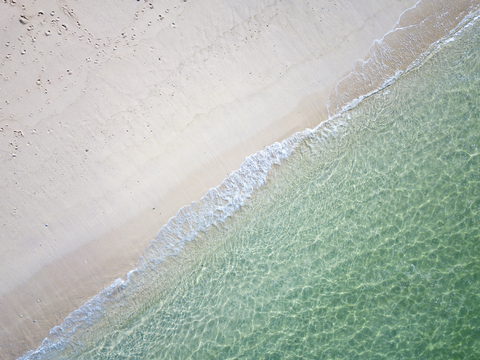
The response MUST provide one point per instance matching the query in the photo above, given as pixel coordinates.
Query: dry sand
(115, 114)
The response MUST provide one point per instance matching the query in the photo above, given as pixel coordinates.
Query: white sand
(115, 114)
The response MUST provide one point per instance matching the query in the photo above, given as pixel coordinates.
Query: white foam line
(398, 21)
(376, 41)
(468, 21)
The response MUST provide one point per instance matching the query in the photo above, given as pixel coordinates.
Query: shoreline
(125, 243)
(417, 31)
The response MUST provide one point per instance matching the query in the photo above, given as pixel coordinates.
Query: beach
(116, 115)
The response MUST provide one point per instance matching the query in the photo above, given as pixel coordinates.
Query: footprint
(23, 19)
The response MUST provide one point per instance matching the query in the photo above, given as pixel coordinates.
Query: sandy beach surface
(115, 114)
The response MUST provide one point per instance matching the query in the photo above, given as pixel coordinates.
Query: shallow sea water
(363, 244)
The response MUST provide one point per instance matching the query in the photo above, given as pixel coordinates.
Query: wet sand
(115, 115)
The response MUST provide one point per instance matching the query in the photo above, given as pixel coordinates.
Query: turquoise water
(363, 244)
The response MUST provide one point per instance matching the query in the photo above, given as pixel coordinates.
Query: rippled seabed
(364, 244)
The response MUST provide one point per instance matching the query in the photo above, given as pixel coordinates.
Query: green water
(364, 244)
